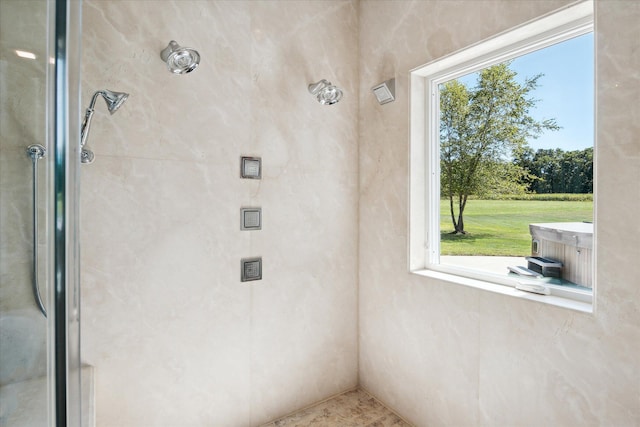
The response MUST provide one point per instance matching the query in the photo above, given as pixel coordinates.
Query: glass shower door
(24, 53)
(39, 298)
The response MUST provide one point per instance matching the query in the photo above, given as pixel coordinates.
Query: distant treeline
(556, 171)
(546, 197)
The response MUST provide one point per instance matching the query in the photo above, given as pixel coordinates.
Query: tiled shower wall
(444, 354)
(175, 337)
(177, 340)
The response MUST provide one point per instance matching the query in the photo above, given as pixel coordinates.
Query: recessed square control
(251, 218)
(251, 167)
(251, 269)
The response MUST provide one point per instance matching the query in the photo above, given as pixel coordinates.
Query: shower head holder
(180, 60)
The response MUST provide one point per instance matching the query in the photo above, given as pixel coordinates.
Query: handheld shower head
(325, 92)
(114, 101)
(180, 60)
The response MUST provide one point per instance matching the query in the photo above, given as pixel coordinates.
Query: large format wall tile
(442, 354)
(175, 337)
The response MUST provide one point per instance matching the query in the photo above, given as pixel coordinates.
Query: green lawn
(501, 227)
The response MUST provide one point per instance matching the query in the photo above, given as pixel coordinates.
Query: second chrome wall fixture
(180, 60)
(325, 92)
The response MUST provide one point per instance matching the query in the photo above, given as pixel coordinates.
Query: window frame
(424, 153)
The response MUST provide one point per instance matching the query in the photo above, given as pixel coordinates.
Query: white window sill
(555, 300)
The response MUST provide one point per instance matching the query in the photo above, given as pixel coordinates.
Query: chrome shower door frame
(64, 270)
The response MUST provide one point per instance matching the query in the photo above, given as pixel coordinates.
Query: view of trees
(483, 144)
(556, 171)
(482, 130)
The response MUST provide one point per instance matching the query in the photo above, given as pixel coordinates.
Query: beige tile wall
(177, 340)
(442, 354)
(175, 337)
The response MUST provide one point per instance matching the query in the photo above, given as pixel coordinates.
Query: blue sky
(566, 91)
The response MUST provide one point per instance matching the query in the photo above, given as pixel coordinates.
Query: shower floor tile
(353, 408)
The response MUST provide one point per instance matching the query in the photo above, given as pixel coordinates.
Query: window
(468, 164)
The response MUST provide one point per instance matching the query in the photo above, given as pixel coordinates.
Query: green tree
(480, 129)
(548, 167)
(556, 171)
